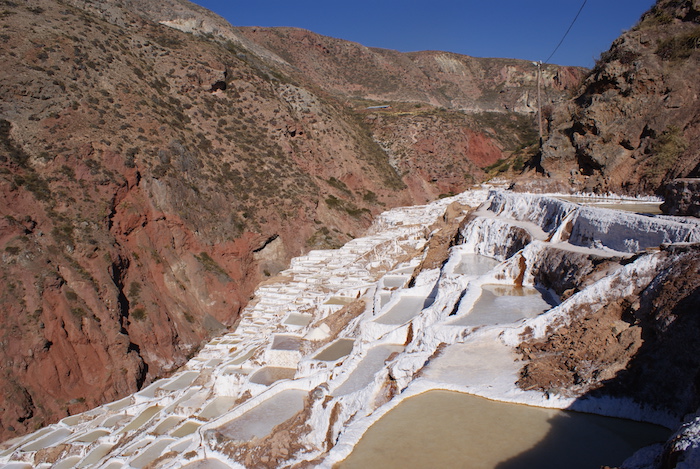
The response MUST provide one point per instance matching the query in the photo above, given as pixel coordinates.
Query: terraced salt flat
(345, 336)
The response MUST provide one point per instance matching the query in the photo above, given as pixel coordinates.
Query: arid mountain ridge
(635, 123)
(157, 163)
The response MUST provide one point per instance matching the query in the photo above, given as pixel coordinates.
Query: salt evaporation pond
(336, 350)
(298, 319)
(259, 421)
(475, 264)
(364, 372)
(404, 310)
(207, 464)
(503, 304)
(451, 429)
(649, 208)
(286, 342)
(394, 281)
(268, 375)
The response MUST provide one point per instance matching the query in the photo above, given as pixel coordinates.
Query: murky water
(207, 464)
(92, 436)
(503, 304)
(68, 463)
(181, 382)
(450, 429)
(96, 454)
(286, 342)
(48, 440)
(241, 359)
(167, 424)
(186, 429)
(339, 300)
(298, 319)
(336, 350)
(151, 453)
(143, 417)
(271, 374)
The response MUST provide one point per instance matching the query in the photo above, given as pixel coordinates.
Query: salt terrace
(323, 342)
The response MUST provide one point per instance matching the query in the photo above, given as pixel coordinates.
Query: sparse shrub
(370, 197)
(168, 41)
(334, 202)
(139, 314)
(666, 150)
(35, 184)
(679, 47)
(211, 265)
(338, 184)
(63, 234)
(134, 290)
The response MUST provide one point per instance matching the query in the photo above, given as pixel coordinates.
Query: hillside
(635, 123)
(156, 164)
(437, 78)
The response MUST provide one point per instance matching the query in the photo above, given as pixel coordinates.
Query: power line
(567, 32)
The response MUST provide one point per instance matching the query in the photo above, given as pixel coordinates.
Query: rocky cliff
(156, 164)
(634, 124)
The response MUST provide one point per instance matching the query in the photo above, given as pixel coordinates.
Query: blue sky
(508, 28)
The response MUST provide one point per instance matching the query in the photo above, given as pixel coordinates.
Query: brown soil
(644, 347)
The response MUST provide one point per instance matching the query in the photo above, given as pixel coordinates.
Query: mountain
(156, 164)
(634, 124)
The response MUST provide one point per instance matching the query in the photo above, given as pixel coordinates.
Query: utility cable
(566, 33)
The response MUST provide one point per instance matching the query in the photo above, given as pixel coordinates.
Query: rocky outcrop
(641, 347)
(682, 197)
(633, 125)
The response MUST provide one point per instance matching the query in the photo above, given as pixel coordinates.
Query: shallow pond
(475, 264)
(298, 319)
(286, 342)
(271, 374)
(364, 372)
(404, 310)
(651, 208)
(260, 420)
(451, 429)
(336, 350)
(503, 304)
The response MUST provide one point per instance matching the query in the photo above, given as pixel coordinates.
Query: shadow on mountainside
(662, 376)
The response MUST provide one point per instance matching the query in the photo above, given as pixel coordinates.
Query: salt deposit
(303, 347)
